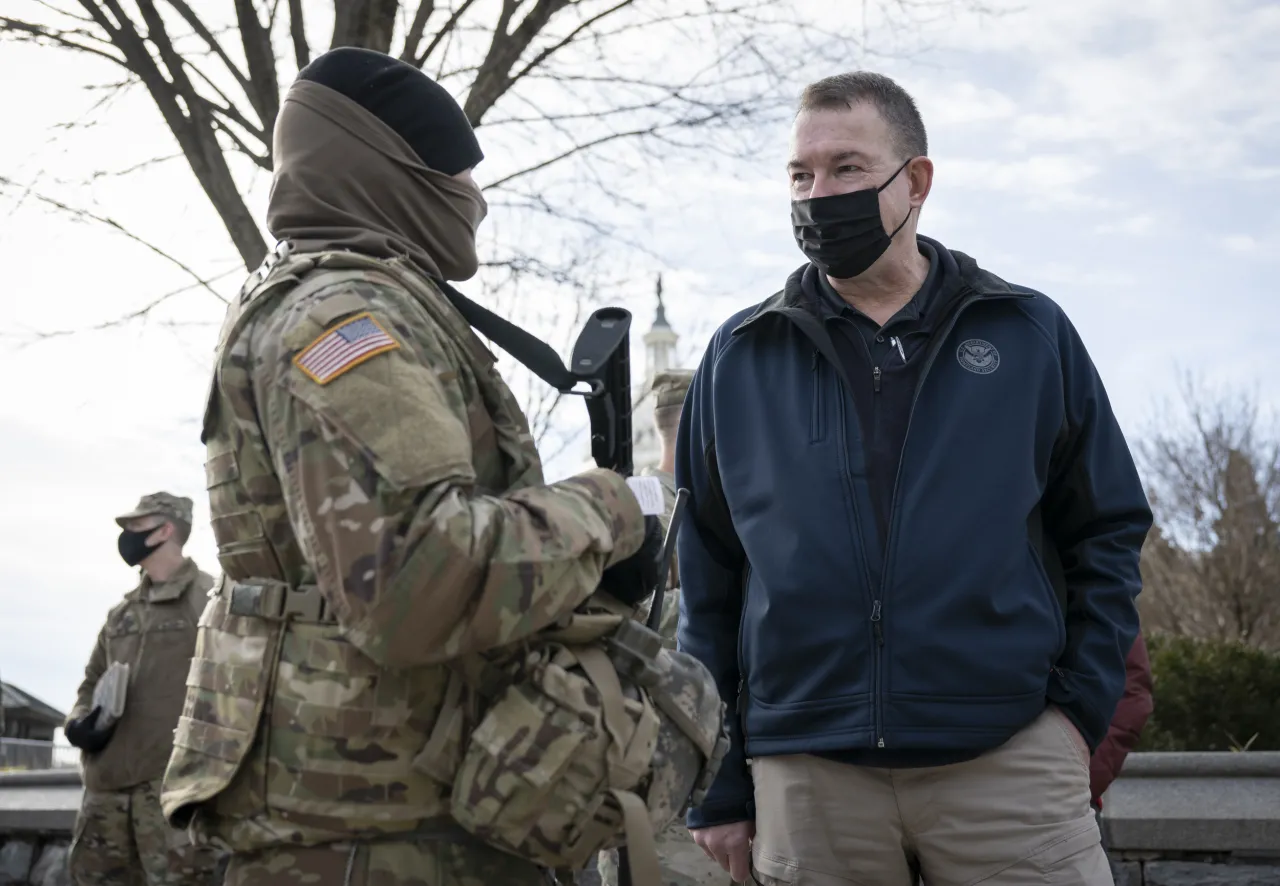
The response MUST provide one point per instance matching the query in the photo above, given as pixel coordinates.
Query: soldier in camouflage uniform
(121, 837)
(669, 389)
(379, 508)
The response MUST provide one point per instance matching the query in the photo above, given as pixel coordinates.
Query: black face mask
(843, 234)
(133, 546)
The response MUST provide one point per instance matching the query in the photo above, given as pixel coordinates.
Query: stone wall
(34, 861)
(1195, 819)
(37, 813)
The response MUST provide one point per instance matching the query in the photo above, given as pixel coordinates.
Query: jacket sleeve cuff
(732, 795)
(708, 815)
(608, 491)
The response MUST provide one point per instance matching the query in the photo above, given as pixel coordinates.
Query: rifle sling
(533, 352)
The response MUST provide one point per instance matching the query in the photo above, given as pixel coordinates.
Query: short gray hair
(894, 103)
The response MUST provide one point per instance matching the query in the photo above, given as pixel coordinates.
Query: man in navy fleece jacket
(912, 550)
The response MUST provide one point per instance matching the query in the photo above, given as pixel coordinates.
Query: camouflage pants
(122, 839)
(437, 863)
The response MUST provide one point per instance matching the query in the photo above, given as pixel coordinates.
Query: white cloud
(1040, 181)
(955, 103)
(1241, 243)
(1187, 85)
(1133, 225)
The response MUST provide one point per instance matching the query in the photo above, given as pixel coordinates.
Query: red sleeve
(1126, 726)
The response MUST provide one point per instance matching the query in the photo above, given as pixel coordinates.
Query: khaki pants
(1015, 816)
(122, 839)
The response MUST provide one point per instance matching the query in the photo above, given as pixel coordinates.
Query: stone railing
(24, 754)
(1195, 820)
(1170, 820)
(37, 814)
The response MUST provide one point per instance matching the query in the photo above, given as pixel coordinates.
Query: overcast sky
(1119, 157)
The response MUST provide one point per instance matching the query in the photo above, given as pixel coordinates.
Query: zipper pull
(875, 621)
(875, 379)
(897, 343)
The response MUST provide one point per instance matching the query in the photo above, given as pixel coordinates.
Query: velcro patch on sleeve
(344, 347)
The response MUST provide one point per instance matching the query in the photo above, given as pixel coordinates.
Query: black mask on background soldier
(133, 545)
(843, 234)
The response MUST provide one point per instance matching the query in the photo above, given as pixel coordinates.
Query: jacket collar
(171, 589)
(974, 282)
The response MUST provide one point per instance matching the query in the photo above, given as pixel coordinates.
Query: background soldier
(669, 388)
(121, 837)
(386, 535)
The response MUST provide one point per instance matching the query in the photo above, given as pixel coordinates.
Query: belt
(277, 601)
(430, 830)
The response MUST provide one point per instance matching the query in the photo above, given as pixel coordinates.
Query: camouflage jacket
(360, 441)
(153, 630)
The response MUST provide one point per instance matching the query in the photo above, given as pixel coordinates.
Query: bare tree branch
(86, 215)
(559, 84)
(569, 38)
(298, 34)
(1212, 566)
(564, 155)
(263, 88)
(138, 313)
(202, 31)
(367, 23)
(137, 167)
(413, 37)
(494, 78)
(78, 40)
(449, 27)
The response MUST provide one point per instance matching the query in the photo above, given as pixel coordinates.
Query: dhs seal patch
(978, 356)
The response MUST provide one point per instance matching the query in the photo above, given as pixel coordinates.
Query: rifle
(601, 359)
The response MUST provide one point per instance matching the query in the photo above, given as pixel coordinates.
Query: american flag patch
(343, 347)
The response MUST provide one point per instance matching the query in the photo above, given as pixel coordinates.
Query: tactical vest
(586, 737)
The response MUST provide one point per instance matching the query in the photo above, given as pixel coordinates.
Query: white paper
(110, 694)
(648, 491)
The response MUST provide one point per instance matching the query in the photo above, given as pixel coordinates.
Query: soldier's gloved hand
(85, 734)
(635, 577)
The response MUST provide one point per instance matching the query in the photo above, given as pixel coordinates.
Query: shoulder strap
(535, 354)
(540, 358)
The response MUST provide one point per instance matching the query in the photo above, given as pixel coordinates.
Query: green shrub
(1212, 696)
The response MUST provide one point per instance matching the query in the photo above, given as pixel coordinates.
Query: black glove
(84, 734)
(635, 577)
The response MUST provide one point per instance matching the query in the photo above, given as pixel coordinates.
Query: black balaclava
(419, 110)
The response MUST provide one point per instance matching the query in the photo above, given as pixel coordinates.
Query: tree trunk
(366, 23)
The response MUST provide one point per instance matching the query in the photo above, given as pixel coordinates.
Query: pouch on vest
(572, 757)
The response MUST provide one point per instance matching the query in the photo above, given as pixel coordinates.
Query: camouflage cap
(669, 387)
(172, 507)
